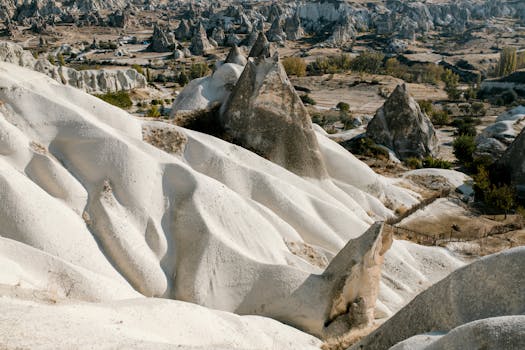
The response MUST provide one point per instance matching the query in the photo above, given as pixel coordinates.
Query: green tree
(343, 106)
(183, 78)
(451, 81)
(501, 198)
(508, 61)
(464, 146)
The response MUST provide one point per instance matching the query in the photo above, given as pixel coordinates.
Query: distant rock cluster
(91, 81)
(331, 23)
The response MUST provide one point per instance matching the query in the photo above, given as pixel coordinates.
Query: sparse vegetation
(464, 147)
(295, 66)
(199, 70)
(153, 112)
(307, 100)
(508, 61)
(120, 99)
(451, 81)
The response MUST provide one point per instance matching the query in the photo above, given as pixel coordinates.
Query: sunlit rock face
(401, 126)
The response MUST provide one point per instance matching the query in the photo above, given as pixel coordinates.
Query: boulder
(261, 47)
(92, 81)
(401, 126)
(200, 45)
(160, 41)
(489, 287)
(293, 28)
(183, 31)
(276, 32)
(265, 114)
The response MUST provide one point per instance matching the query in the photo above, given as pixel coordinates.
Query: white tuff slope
(91, 211)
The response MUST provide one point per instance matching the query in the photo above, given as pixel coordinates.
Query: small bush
(414, 163)
(430, 162)
(138, 68)
(307, 100)
(440, 117)
(153, 112)
(120, 99)
(367, 147)
(198, 70)
(426, 106)
(294, 66)
(343, 106)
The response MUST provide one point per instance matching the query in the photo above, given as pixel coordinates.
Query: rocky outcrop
(183, 31)
(401, 126)
(235, 56)
(265, 114)
(506, 332)
(200, 45)
(341, 298)
(92, 81)
(293, 28)
(511, 165)
(261, 47)
(160, 41)
(489, 287)
(343, 35)
(276, 33)
(496, 138)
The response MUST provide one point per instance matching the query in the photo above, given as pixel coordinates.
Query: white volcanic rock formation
(266, 115)
(100, 206)
(138, 324)
(506, 332)
(91, 81)
(490, 287)
(401, 126)
(494, 140)
(205, 92)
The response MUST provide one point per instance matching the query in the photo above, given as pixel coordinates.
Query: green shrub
(464, 146)
(138, 68)
(426, 106)
(451, 81)
(153, 112)
(367, 147)
(430, 162)
(343, 106)
(440, 117)
(307, 100)
(61, 60)
(120, 99)
(198, 70)
(183, 79)
(51, 59)
(294, 66)
(414, 163)
(369, 62)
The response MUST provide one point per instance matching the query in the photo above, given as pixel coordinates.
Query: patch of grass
(120, 99)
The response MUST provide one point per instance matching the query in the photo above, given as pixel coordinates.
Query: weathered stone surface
(489, 287)
(92, 81)
(183, 31)
(160, 41)
(293, 28)
(507, 332)
(261, 47)
(512, 163)
(200, 45)
(235, 56)
(276, 32)
(265, 114)
(401, 126)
